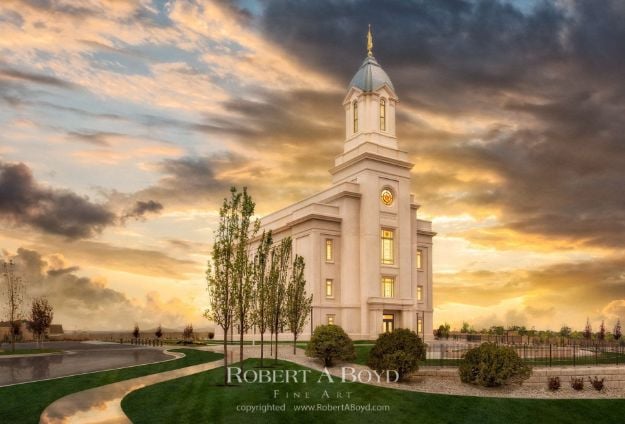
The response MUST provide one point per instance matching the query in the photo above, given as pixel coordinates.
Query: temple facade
(368, 255)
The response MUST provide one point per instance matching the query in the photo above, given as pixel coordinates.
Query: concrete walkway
(103, 404)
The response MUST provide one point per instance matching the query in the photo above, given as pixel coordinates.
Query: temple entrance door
(388, 322)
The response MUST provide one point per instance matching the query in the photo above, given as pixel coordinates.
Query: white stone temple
(368, 256)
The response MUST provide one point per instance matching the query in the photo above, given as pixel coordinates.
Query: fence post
(550, 354)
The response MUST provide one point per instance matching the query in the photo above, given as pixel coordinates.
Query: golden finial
(369, 42)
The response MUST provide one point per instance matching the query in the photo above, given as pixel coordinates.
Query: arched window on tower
(355, 116)
(382, 115)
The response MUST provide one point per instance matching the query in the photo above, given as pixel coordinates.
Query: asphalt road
(77, 357)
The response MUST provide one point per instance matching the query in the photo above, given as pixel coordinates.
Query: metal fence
(549, 355)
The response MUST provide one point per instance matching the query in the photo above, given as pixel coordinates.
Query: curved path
(103, 404)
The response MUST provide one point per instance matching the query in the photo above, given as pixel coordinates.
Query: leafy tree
(565, 331)
(261, 316)
(41, 314)
(588, 330)
(601, 335)
(159, 332)
(187, 333)
(136, 332)
(491, 365)
(443, 331)
(14, 293)
(617, 330)
(223, 272)
(400, 351)
(497, 330)
(329, 343)
(297, 302)
(243, 268)
(465, 327)
(277, 285)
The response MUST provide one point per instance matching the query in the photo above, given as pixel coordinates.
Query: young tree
(136, 332)
(277, 283)
(588, 330)
(601, 334)
(14, 294)
(260, 313)
(617, 330)
(187, 333)
(222, 274)
(297, 302)
(159, 332)
(466, 328)
(565, 331)
(41, 314)
(243, 268)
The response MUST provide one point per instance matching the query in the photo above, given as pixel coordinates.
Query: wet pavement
(77, 358)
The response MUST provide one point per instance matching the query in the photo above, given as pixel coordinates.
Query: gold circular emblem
(387, 197)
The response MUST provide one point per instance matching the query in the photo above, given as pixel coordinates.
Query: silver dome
(370, 76)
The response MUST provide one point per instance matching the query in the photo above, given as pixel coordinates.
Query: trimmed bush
(329, 343)
(490, 365)
(399, 351)
(577, 383)
(554, 383)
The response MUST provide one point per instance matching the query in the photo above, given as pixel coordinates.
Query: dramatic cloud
(512, 112)
(142, 208)
(23, 201)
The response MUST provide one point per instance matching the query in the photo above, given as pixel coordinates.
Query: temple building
(368, 256)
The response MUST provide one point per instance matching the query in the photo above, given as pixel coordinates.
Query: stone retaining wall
(614, 376)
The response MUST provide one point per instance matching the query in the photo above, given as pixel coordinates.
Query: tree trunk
(241, 345)
(294, 344)
(275, 360)
(262, 347)
(225, 356)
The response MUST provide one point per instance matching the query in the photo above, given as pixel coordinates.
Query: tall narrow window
(388, 286)
(355, 116)
(329, 250)
(329, 288)
(420, 293)
(386, 237)
(382, 115)
(419, 259)
(419, 325)
(330, 319)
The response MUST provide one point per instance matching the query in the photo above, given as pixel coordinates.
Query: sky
(124, 123)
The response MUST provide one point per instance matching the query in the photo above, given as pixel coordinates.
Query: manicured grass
(28, 351)
(198, 398)
(24, 403)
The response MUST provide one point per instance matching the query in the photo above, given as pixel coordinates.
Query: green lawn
(198, 398)
(24, 403)
(28, 351)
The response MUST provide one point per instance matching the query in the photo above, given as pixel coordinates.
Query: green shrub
(399, 351)
(491, 365)
(330, 342)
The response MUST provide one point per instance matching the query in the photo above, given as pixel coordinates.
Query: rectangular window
(419, 259)
(329, 288)
(382, 115)
(419, 325)
(388, 287)
(387, 245)
(329, 250)
(420, 293)
(330, 319)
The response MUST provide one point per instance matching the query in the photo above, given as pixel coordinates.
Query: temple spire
(369, 42)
